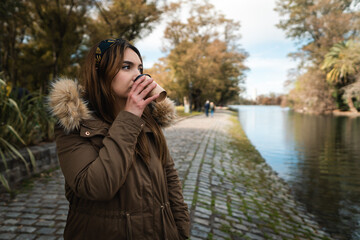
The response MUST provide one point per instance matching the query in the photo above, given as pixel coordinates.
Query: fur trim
(164, 112)
(67, 105)
(70, 109)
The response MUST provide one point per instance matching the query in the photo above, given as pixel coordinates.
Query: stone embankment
(231, 192)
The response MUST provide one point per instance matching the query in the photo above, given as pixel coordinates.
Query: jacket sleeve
(178, 207)
(98, 174)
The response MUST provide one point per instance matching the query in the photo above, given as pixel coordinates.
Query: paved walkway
(230, 197)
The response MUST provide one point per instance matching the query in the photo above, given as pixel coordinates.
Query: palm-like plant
(10, 116)
(342, 63)
(24, 121)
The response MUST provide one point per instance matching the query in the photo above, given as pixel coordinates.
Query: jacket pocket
(169, 225)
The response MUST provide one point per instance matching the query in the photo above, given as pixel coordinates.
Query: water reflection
(319, 156)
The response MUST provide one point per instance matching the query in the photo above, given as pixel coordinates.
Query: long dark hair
(97, 78)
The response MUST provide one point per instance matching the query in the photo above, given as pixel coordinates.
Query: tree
(269, 99)
(311, 93)
(342, 64)
(352, 91)
(14, 20)
(44, 39)
(40, 39)
(204, 58)
(316, 26)
(56, 34)
(124, 18)
(163, 76)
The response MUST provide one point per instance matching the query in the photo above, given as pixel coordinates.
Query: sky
(265, 43)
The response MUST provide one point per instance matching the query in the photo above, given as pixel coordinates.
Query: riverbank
(267, 199)
(231, 192)
(346, 113)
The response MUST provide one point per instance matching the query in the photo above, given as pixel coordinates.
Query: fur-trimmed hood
(68, 106)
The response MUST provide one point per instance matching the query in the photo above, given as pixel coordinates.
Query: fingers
(136, 101)
(134, 87)
(147, 89)
(143, 86)
(139, 84)
(150, 99)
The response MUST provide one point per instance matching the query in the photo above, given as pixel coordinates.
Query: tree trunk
(351, 105)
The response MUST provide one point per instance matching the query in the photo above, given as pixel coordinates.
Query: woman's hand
(136, 101)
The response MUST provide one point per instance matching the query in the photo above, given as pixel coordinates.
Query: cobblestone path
(229, 196)
(232, 197)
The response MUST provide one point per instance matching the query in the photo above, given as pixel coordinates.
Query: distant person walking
(212, 109)
(207, 106)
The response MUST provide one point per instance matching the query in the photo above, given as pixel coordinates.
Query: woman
(120, 179)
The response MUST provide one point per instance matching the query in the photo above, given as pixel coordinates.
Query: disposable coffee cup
(156, 90)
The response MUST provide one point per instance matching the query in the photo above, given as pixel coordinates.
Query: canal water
(318, 156)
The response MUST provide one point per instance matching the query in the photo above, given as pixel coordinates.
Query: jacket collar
(71, 110)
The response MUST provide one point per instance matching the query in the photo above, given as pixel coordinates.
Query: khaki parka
(112, 193)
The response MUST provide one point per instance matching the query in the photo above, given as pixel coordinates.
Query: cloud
(257, 18)
(267, 75)
(154, 40)
(269, 63)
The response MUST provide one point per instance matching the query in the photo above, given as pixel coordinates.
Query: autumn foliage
(327, 33)
(43, 39)
(204, 60)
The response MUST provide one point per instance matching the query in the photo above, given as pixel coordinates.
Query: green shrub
(23, 122)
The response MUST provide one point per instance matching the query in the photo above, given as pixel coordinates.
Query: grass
(180, 111)
(242, 143)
